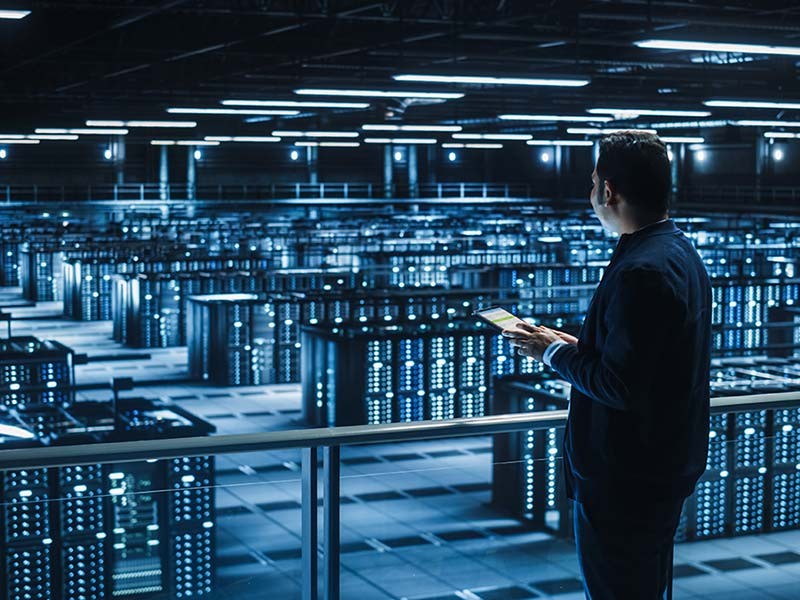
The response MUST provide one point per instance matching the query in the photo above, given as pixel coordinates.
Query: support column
(190, 173)
(413, 173)
(118, 151)
(559, 171)
(388, 170)
(163, 174)
(312, 155)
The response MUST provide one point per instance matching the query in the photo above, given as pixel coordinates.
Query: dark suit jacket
(639, 409)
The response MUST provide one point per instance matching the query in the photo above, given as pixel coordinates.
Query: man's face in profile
(596, 197)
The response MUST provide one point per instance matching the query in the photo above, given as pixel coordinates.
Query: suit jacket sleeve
(639, 316)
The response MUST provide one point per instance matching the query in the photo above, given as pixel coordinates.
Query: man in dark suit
(636, 438)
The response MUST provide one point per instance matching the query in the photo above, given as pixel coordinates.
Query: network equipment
(35, 373)
(752, 476)
(41, 274)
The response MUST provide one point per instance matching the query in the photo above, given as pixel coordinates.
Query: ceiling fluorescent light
(632, 113)
(196, 143)
(752, 104)
(231, 111)
(241, 138)
(399, 140)
(718, 47)
(544, 81)
(12, 136)
(380, 93)
(452, 145)
(14, 141)
(316, 134)
(162, 142)
(492, 136)
(329, 144)
(52, 136)
(390, 127)
(93, 123)
(484, 146)
(756, 123)
(15, 15)
(781, 134)
(560, 143)
(187, 124)
(93, 131)
(598, 131)
(682, 139)
(573, 118)
(295, 103)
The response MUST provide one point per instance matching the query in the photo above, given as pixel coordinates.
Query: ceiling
(70, 61)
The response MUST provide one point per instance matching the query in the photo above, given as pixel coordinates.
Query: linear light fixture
(52, 136)
(241, 138)
(391, 127)
(632, 113)
(781, 134)
(399, 140)
(560, 143)
(380, 93)
(183, 143)
(492, 136)
(752, 104)
(90, 131)
(329, 144)
(692, 124)
(483, 146)
(677, 139)
(482, 80)
(295, 103)
(599, 131)
(568, 118)
(14, 15)
(16, 141)
(758, 123)
(12, 136)
(231, 111)
(186, 124)
(316, 134)
(718, 47)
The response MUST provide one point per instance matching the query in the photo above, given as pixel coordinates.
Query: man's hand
(570, 339)
(530, 340)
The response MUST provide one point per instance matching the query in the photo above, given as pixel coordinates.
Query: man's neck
(640, 224)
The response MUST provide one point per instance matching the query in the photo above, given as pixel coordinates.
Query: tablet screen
(499, 318)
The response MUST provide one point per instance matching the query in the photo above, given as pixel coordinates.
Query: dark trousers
(626, 555)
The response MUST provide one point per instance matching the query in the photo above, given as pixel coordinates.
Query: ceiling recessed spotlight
(3, 154)
(777, 154)
(198, 154)
(108, 154)
(451, 156)
(398, 156)
(294, 155)
(544, 157)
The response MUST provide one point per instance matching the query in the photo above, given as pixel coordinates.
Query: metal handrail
(59, 456)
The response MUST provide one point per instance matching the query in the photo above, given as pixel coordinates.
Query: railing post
(141, 192)
(438, 190)
(297, 190)
(309, 556)
(331, 467)
(346, 195)
(321, 190)
(484, 190)
(461, 186)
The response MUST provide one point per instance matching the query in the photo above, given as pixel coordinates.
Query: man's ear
(609, 193)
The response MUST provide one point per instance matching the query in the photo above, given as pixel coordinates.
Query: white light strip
(756, 123)
(484, 146)
(492, 136)
(682, 139)
(598, 131)
(183, 143)
(95, 123)
(632, 113)
(316, 134)
(329, 144)
(44, 136)
(718, 47)
(752, 104)
(379, 93)
(94, 131)
(692, 124)
(14, 141)
(15, 15)
(560, 143)
(295, 104)
(186, 124)
(12, 136)
(781, 134)
(231, 111)
(17, 432)
(241, 138)
(572, 118)
(482, 80)
(389, 127)
(399, 140)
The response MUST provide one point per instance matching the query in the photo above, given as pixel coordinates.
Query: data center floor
(416, 518)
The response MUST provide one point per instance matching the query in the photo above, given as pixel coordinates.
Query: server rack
(35, 372)
(41, 276)
(752, 474)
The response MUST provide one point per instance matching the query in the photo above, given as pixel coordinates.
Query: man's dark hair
(637, 165)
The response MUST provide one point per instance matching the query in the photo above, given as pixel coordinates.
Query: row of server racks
(98, 531)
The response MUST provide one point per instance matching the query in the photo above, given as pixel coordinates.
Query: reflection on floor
(416, 519)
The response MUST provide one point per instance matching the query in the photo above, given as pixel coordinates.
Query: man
(636, 439)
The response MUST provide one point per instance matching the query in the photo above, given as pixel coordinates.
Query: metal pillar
(309, 556)
(163, 174)
(118, 152)
(312, 154)
(331, 472)
(191, 181)
(413, 172)
(388, 170)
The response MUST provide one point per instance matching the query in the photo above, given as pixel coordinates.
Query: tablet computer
(499, 318)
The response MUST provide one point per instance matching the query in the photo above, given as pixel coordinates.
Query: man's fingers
(526, 327)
